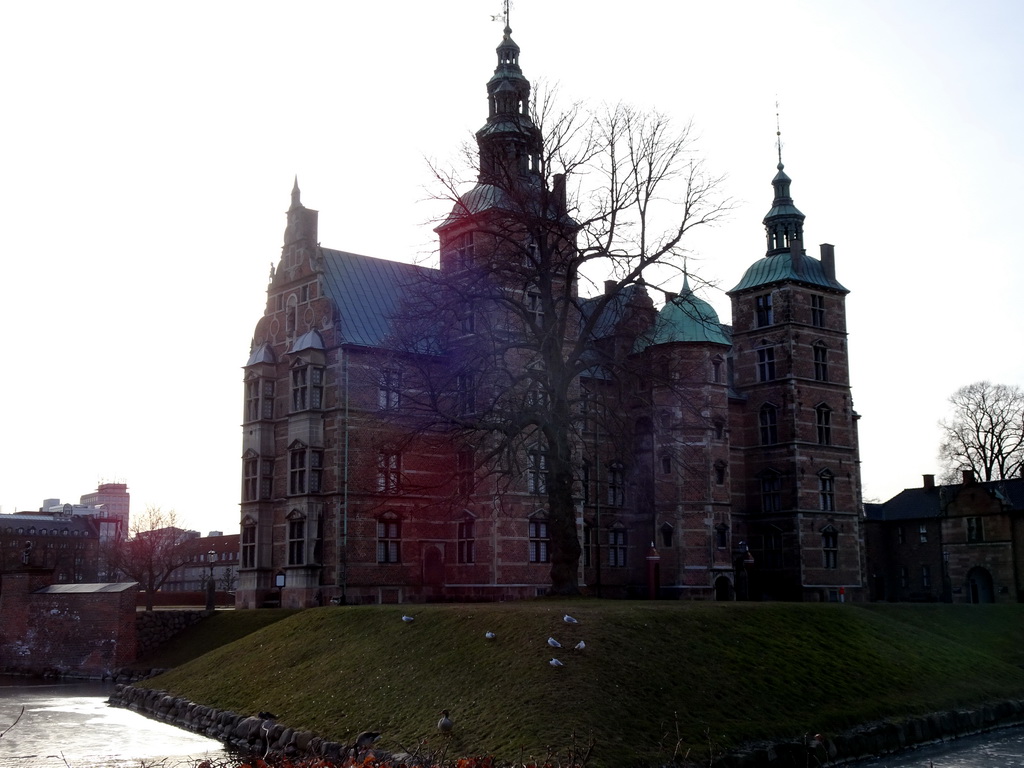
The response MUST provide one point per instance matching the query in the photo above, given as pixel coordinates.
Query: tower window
(765, 315)
(766, 364)
(827, 491)
(307, 388)
(820, 362)
(818, 310)
(768, 417)
(249, 546)
(823, 418)
(830, 547)
(771, 491)
(465, 250)
(296, 541)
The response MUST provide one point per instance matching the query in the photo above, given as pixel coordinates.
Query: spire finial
(504, 16)
(778, 133)
(296, 202)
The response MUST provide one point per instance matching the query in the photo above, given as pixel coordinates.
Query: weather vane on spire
(778, 133)
(500, 17)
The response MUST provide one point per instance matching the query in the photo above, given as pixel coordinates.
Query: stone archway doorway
(979, 586)
(723, 589)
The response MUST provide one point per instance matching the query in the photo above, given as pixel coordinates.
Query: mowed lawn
(655, 680)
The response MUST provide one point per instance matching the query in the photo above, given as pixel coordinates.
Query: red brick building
(723, 463)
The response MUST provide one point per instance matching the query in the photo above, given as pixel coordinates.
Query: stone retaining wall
(878, 739)
(154, 628)
(252, 734)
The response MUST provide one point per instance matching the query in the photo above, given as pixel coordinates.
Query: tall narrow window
(465, 250)
(923, 533)
(716, 370)
(259, 399)
(266, 479)
(719, 473)
(616, 484)
(974, 530)
(537, 470)
(818, 310)
(765, 315)
(389, 538)
(297, 471)
(538, 533)
(250, 478)
(466, 465)
(534, 307)
(296, 541)
(465, 386)
(307, 388)
(666, 465)
(316, 470)
(768, 417)
(820, 362)
(248, 546)
(666, 534)
(467, 318)
(830, 547)
(721, 536)
(389, 391)
(588, 545)
(827, 491)
(617, 547)
(823, 418)
(771, 491)
(467, 540)
(766, 364)
(926, 576)
(389, 466)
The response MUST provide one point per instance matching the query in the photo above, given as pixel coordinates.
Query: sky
(148, 151)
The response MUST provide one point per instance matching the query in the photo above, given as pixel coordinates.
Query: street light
(211, 556)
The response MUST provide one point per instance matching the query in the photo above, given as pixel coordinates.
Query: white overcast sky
(148, 151)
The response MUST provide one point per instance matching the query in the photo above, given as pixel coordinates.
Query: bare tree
(495, 346)
(156, 548)
(985, 433)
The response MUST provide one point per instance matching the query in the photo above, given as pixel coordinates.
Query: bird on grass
(445, 724)
(489, 635)
(580, 645)
(554, 643)
(556, 663)
(407, 619)
(569, 619)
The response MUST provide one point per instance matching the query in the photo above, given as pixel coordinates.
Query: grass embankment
(652, 676)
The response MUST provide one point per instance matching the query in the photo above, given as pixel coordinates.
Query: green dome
(686, 318)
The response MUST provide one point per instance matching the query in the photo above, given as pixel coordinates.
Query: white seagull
(407, 619)
(556, 663)
(580, 645)
(489, 635)
(554, 643)
(569, 619)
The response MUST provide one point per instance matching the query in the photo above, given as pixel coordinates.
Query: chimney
(929, 482)
(796, 252)
(968, 476)
(828, 260)
(558, 191)
(609, 287)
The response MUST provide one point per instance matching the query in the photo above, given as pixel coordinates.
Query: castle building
(709, 461)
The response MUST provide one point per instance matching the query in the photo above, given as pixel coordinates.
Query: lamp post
(211, 556)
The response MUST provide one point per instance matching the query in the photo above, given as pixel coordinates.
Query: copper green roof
(686, 318)
(787, 267)
(367, 293)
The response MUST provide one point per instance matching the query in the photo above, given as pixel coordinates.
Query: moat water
(70, 725)
(997, 749)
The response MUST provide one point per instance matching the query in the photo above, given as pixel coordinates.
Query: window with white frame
(539, 540)
(389, 467)
(389, 538)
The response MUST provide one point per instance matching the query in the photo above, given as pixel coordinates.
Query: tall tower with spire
(796, 496)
